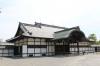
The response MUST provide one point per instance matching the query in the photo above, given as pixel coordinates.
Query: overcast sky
(67, 13)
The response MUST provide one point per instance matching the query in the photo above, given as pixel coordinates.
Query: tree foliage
(98, 42)
(92, 37)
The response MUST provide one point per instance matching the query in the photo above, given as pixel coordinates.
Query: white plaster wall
(50, 49)
(37, 43)
(43, 50)
(43, 40)
(5, 52)
(25, 43)
(24, 50)
(86, 49)
(11, 52)
(5, 55)
(2, 46)
(37, 39)
(1, 52)
(30, 39)
(37, 50)
(30, 50)
(43, 43)
(30, 43)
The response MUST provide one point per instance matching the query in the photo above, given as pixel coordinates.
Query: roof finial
(38, 24)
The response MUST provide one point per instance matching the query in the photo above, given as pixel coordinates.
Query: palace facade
(48, 40)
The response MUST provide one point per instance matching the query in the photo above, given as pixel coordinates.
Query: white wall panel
(1, 50)
(11, 50)
(51, 48)
(25, 43)
(37, 50)
(43, 43)
(5, 55)
(38, 54)
(2, 46)
(30, 39)
(0, 54)
(24, 50)
(25, 39)
(43, 50)
(11, 54)
(37, 43)
(30, 50)
(5, 51)
(24, 55)
(30, 43)
(37, 39)
(43, 40)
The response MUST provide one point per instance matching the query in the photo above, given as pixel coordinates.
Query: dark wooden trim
(34, 48)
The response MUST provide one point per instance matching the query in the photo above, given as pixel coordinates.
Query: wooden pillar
(67, 48)
(40, 47)
(78, 47)
(34, 45)
(55, 44)
(47, 48)
(63, 52)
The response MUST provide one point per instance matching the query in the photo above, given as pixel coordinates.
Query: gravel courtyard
(83, 60)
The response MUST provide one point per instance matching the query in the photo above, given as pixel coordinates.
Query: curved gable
(73, 34)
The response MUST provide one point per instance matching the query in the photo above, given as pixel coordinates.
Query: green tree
(98, 42)
(93, 38)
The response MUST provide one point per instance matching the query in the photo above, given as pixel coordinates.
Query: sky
(66, 13)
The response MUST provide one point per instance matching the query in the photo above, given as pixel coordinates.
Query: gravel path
(86, 60)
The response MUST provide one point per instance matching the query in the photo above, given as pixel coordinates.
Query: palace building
(48, 40)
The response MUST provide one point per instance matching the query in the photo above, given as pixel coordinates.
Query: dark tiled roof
(67, 29)
(40, 30)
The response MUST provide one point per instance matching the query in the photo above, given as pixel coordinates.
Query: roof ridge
(50, 25)
(76, 27)
(26, 24)
(39, 24)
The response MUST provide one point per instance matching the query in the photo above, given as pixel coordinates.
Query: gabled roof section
(41, 30)
(41, 24)
(48, 31)
(68, 29)
(68, 33)
(37, 30)
(21, 29)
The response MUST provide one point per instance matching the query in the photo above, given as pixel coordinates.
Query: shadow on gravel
(55, 56)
